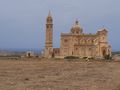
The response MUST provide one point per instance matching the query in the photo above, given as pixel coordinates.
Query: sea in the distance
(35, 50)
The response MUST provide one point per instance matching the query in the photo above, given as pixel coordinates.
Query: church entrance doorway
(104, 51)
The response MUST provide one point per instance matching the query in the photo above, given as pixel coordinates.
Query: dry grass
(59, 75)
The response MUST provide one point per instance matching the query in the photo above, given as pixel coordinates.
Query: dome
(76, 29)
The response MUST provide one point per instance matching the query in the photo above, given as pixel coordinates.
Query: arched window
(47, 26)
(77, 32)
(50, 20)
(92, 41)
(76, 48)
(51, 26)
(65, 40)
(90, 49)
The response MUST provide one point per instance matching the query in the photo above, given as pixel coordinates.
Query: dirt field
(59, 75)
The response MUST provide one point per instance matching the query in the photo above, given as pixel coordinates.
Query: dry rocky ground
(59, 75)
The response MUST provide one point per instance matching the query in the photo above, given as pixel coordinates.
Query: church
(76, 42)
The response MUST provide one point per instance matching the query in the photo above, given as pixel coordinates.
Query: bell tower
(49, 36)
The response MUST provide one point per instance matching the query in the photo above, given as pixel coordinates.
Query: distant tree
(107, 57)
(53, 55)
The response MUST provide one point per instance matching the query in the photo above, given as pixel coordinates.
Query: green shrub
(71, 57)
(85, 57)
(108, 57)
(91, 58)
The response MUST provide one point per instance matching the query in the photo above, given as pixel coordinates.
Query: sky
(22, 22)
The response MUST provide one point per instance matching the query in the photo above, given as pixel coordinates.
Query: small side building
(30, 54)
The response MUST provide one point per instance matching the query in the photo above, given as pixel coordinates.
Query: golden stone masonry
(76, 42)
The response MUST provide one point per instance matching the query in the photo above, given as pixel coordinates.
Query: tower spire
(49, 14)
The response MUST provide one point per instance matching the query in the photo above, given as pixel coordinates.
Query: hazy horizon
(22, 22)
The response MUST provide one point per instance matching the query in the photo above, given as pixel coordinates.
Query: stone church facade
(76, 42)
